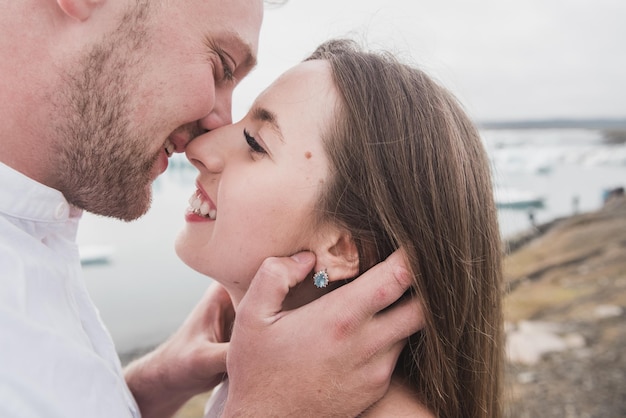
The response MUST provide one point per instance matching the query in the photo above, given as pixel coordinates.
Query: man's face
(166, 74)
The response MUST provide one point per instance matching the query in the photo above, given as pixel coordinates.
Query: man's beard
(103, 165)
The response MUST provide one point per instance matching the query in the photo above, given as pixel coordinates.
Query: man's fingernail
(304, 257)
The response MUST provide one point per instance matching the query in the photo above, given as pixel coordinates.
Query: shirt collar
(25, 198)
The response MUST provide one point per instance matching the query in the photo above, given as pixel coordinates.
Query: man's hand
(192, 361)
(331, 358)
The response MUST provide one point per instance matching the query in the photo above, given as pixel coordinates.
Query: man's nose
(183, 135)
(222, 111)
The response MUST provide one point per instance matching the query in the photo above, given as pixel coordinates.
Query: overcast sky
(503, 59)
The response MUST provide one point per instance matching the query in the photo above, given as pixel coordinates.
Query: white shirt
(214, 406)
(56, 357)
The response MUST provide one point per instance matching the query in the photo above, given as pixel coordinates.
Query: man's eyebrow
(264, 115)
(245, 48)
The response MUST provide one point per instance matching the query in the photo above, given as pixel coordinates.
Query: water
(569, 168)
(145, 292)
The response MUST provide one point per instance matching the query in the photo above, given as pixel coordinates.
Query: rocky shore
(565, 311)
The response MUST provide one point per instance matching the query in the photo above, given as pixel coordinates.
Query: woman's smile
(201, 205)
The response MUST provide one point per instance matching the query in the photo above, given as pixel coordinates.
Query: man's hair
(408, 170)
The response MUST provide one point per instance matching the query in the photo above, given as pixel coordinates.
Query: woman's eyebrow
(264, 115)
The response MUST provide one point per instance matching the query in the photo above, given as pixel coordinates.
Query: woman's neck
(401, 400)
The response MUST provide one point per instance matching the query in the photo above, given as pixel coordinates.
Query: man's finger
(215, 300)
(272, 282)
(376, 289)
(400, 321)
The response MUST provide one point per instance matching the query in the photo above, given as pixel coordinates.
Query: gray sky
(503, 59)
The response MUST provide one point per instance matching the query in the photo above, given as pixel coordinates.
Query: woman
(352, 155)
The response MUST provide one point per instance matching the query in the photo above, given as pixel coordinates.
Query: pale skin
(273, 160)
(177, 65)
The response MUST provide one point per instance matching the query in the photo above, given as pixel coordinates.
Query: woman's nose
(205, 154)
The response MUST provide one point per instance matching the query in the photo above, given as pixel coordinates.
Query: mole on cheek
(308, 155)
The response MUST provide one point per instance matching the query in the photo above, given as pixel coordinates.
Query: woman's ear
(79, 9)
(337, 254)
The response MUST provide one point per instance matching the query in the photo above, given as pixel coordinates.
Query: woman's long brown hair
(408, 170)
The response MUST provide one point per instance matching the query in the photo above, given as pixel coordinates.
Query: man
(95, 95)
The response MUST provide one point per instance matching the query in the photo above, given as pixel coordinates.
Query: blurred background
(544, 79)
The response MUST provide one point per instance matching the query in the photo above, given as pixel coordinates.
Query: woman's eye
(253, 144)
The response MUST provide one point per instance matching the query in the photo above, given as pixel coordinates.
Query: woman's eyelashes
(253, 144)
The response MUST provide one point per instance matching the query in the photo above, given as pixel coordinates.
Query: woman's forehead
(304, 95)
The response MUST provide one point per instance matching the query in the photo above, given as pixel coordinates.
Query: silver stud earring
(320, 279)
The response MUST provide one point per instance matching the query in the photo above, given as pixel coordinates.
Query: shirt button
(62, 211)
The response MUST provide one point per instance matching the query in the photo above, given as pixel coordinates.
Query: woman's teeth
(201, 208)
